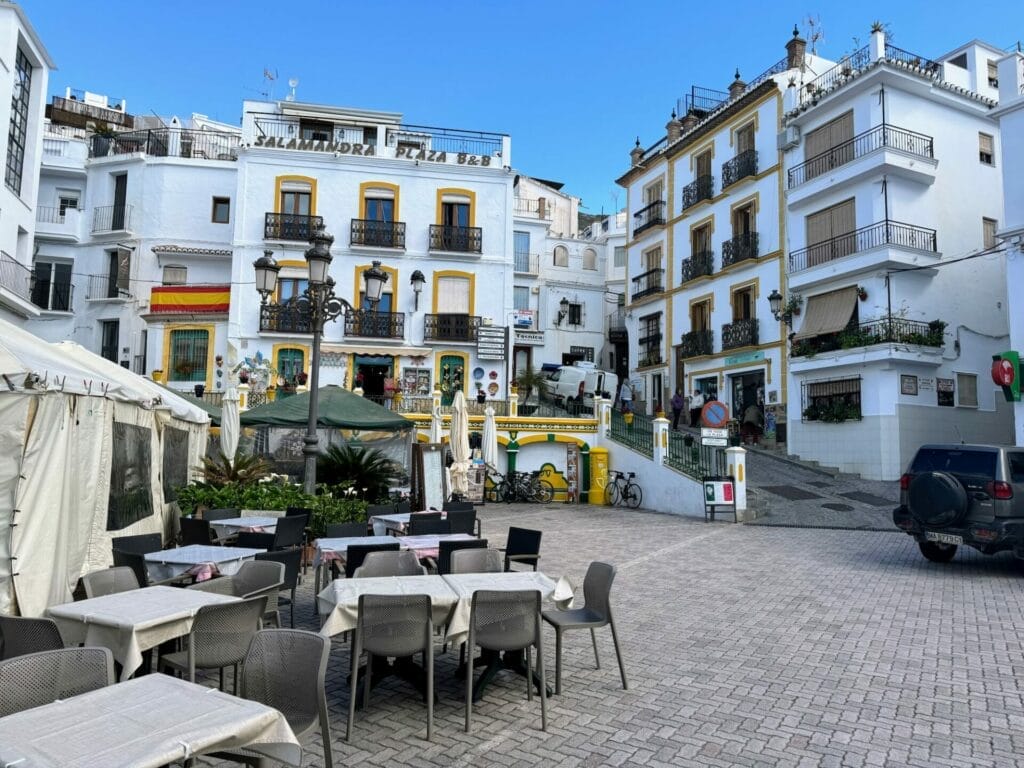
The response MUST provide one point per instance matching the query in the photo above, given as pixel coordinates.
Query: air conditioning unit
(486, 321)
(789, 137)
(535, 290)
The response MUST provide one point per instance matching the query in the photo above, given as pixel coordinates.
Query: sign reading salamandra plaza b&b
(369, 150)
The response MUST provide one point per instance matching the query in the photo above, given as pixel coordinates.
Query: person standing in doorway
(696, 406)
(626, 397)
(678, 402)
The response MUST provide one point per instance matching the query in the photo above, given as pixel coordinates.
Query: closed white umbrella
(489, 442)
(230, 428)
(435, 425)
(458, 438)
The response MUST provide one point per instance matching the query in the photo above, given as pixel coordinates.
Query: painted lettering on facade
(369, 150)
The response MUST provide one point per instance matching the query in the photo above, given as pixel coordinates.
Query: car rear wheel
(936, 552)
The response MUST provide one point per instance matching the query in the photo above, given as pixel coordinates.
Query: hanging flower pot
(862, 294)
(243, 377)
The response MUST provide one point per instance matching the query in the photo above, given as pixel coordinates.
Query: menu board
(428, 486)
(490, 342)
(476, 477)
(572, 473)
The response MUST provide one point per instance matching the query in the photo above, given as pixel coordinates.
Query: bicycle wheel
(543, 492)
(493, 494)
(611, 494)
(503, 491)
(632, 495)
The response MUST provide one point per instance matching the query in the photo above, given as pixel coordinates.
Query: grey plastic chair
(221, 514)
(523, 546)
(109, 581)
(345, 530)
(286, 669)
(356, 553)
(596, 613)
(261, 578)
(390, 564)
(20, 635)
(220, 586)
(219, 638)
(392, 626)
(291, 559)
(506, 621)
(446, 548)
(42, 678)
(477, 561)
(427, 524)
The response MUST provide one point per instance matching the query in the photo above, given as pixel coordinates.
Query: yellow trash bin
(598, 475)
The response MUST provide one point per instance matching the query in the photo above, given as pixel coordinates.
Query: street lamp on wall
(417, 287)
(318, 305)
(782, 314)
(563, 310)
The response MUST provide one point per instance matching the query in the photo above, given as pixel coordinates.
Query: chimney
(542, 206)
(674, 128)
(636, 153)
(737, 87)
(795, 50)
(690, 121)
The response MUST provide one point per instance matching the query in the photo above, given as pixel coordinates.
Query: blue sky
(573, 83)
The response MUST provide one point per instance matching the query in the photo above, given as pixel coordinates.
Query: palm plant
(220, 471)
(368, 471)
(531, 379)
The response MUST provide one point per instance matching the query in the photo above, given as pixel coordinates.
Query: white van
(573, 386)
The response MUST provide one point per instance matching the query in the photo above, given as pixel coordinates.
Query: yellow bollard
(598, 475)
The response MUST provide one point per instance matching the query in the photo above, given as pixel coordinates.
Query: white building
(1010, 113)
(891, 186)
(23, 85)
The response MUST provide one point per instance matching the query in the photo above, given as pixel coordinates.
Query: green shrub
(367, 470)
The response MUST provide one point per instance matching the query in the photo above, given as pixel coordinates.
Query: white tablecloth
(147, 722)
(338, 603)
(428, 544)
(328, 550)
(394, 522)
(169, 563)
(465, 584)
(231, 526)
(129, 623)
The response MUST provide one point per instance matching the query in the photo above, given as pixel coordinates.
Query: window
(291, 288)
(290, 363)
(119, 268)
(700, 240)
(1016, 461)
(589, 259)
(993, 74)
(959, 61)
(829, 146)
(703, 164)
(745, 139)
(51, 286)
(650, 340)
(743, 304)
(986, 152)
(221, 210)
(830, 400)
(109, 337)
(380, 208)
(65, 201)
(829, 233)
(315, 130)
(700, 315)
(743, 220)
(455, 214)
(620, 256)
(520, 297)
(654, 193)
(967, 390)
(521, 249)
(453, 295)
(297, 202)
(561, 256)
(175, 275)
(19, 121)
(575, 314)
(652, 259)
(188, 355)
(988, 232)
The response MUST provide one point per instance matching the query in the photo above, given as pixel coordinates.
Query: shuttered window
(188, 355)
(829, 146)
(986, 149)
(704, 164)
(652, 259)
(175, 275)
(654, 193)
(830, 233)
(967, 390)
(700, 316)
(561, 256)
(988, 232)
(453, 295)
(745, 139)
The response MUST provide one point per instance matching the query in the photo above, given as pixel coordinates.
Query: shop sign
(532, 338)
(490, 343)
(745, 357)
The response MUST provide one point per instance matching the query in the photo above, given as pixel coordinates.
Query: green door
(452, 376)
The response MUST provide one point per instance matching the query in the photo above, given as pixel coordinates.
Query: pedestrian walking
(696, 406)
(626, 397)
(678, 402)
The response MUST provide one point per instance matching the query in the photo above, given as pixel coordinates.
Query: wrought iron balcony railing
(111, 218)
(741, 166)
(290, 226)
(739, 248)
(107, 287)
(697, 343)
(449, 327)
(878, 137)
(378, 234)
(444, 237)
(526, 263)
(884, 330)
(375, 325)
(617, 320)
(650, 282)
(14, 276)
(289, 317)
(739, 333)
(651, 339)
(649, 216)
(168, 142)
(699, 264)
(701, 188)
(886, 232)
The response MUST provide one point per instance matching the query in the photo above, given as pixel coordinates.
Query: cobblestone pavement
(744, 646)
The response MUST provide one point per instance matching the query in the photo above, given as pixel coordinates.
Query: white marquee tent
(82, 459)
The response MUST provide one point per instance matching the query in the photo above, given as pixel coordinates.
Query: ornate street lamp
(775, 302)
(418, 281)
(317, 305)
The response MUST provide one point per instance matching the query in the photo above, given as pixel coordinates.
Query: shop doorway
(522, 359)
(747, 389)
(371, 370)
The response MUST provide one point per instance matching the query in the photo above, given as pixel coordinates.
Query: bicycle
(521, 486)
(623, 490)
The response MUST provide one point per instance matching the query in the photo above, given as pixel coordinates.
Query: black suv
(964, 494)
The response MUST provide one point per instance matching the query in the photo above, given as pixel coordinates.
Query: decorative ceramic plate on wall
(478, 373)
(493, 374)
(493, 388)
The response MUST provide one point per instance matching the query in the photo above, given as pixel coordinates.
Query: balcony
(617, 325)
(51, 223)
(880, 138)
(888, 233)
(168, 142)
(739, 248)
(445, 237)
(526, 263)
(700, 264)
(701, 188)
(541, 208)
(107, 288)
(649, 283)
(15, 286)
(458, 328)
(378, 234)
(375, 325)
(649, 357)
(739, 333)
(884, 330)
(290, 317)
(77, 112)
(290, 226)
(651, 215)
(111, 218)
(697, 343)
(740, 167)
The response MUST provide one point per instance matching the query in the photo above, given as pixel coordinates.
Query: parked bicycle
(519, 486)
(622, 489)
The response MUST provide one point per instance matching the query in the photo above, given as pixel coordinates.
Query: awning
(379, 349)
(828, 313)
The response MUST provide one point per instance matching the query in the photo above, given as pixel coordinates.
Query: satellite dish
(293, 82)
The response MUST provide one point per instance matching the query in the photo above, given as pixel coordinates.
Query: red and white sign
(1003, 373)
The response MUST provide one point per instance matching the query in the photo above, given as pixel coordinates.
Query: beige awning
(376, 349)
(828, 313)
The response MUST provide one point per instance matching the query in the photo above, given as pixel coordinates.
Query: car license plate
(944, 538)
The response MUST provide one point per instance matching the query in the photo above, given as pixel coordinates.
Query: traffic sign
(715, 442)
(713, 432)
(715, 414)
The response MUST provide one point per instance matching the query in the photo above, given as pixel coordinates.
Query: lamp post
(563, 310)
(319, 305)
(417, 287)
(775, 302)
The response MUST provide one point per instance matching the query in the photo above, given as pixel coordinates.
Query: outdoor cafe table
(143, 723)
(131, 622)
(231, 526)
(397, 521)
(427, 545)
(328, 550)
(338, 603)
(169, 563)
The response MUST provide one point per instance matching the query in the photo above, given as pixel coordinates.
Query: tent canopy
(212, 410)
(338, 408)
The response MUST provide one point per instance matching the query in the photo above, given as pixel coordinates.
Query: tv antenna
(293, 83)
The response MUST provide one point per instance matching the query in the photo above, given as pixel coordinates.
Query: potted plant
(243, 376)
(102, 139)
(793, 304)
(862, 293)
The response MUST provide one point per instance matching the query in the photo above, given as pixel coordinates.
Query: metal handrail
(14, 276)
(650, 215)
(880, 136)
(377, 234)
(739, 167)
(168, 142)
(740, 248)
(650, 282)
(445, 237)
(886, 232)
(700, 264)
(701, 188)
